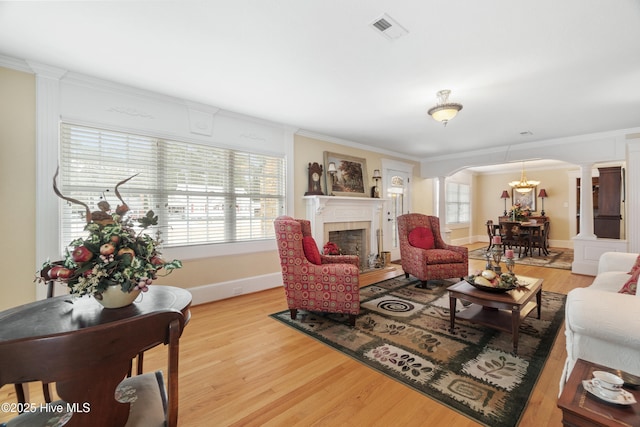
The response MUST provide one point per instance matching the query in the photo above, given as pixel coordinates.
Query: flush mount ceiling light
(523, 186)
(445, 110)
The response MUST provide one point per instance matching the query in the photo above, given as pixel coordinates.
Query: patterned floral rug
(403, 332)
(558, 258)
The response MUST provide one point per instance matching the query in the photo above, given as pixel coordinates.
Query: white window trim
(458, 225)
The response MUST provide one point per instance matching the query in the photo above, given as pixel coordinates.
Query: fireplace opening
(352, 242)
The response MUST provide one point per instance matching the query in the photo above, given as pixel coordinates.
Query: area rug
(561, 258)
(403, 332)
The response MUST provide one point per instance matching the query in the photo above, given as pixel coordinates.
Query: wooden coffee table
(580, 408)
(503, 311)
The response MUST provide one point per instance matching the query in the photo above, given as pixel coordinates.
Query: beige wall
(17, 168)
(308, 150)
(489, 205)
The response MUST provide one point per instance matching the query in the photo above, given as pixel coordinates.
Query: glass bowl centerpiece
(490, 281)
(117, 260)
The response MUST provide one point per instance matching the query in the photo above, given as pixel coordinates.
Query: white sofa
(602, 325)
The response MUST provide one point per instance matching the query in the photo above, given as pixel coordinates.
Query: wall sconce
(332, 172)
(375, 191)
(543, 195)
(505, 196)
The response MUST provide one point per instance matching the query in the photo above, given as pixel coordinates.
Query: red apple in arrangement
(59, 272)
(81, 254)
(107, 249)
(125, 251)
(115, 239)
(65, 273)
(54, 271)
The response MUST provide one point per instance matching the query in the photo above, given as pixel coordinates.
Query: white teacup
(607, 383)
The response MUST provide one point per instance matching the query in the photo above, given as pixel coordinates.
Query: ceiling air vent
(388, 27)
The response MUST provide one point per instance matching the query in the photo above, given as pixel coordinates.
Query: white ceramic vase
(114, 297)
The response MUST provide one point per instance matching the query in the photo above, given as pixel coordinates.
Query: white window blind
(458, 203)
(202, 194)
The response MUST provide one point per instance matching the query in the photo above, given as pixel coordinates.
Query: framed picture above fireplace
(347, 176)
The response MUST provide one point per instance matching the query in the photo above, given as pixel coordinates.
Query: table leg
(515, 328)
(452, 312)
(539, 301)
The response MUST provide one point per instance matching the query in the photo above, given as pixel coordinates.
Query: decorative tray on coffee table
(502, 286)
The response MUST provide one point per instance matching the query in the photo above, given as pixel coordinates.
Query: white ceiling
(554, 68)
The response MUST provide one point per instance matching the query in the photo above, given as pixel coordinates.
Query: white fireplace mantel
(340, 209)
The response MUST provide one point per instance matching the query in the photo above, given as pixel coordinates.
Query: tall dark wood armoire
(607, 200)
(606, 223)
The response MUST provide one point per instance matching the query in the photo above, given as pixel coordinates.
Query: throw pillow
(421, 237)
(631, 285)
(311, 250)
(636, 266)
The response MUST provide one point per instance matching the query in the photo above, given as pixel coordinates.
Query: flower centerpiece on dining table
(118, 252)
(519, 213)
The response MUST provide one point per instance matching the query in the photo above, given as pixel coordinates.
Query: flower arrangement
(114, 253)
(518, 213)
(331, 248)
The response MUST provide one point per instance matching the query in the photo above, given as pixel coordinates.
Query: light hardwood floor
(238, 367)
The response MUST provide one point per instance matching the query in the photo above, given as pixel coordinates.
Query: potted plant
(118, 259)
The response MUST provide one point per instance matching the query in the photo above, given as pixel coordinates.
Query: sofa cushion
(421, 237)
(632, 284)
(311, 250)
(609, 281)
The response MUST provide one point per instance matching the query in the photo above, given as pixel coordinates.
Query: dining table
(529, 228)
(67, 314)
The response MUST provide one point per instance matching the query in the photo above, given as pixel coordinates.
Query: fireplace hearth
(350, 222)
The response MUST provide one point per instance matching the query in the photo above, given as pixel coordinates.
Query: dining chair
(539, 239)
(89, 366)
(513, 236)
(21, 394)
(490, 232)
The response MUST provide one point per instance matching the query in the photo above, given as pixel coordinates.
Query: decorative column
(441, 208)
(586, 203)
(47, 154)
(632, 196)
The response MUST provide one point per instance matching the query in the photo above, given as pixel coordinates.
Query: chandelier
(445, 110)
(524, 186)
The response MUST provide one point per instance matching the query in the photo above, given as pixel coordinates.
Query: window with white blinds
(458, 203)
(202, 194)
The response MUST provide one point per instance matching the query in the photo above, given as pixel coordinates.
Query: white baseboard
(233, 288)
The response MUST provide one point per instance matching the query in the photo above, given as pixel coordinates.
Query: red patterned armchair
(312, 281)
(423, 252)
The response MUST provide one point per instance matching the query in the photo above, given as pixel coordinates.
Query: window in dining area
(202, 194)
(458, 203)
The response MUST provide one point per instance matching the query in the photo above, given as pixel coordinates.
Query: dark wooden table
(528, 228)
(581, 409)
(503, 311)
(56, 316)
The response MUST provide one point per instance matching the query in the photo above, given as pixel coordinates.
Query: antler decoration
(59, 194)
(99, 216)
(123, 208)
